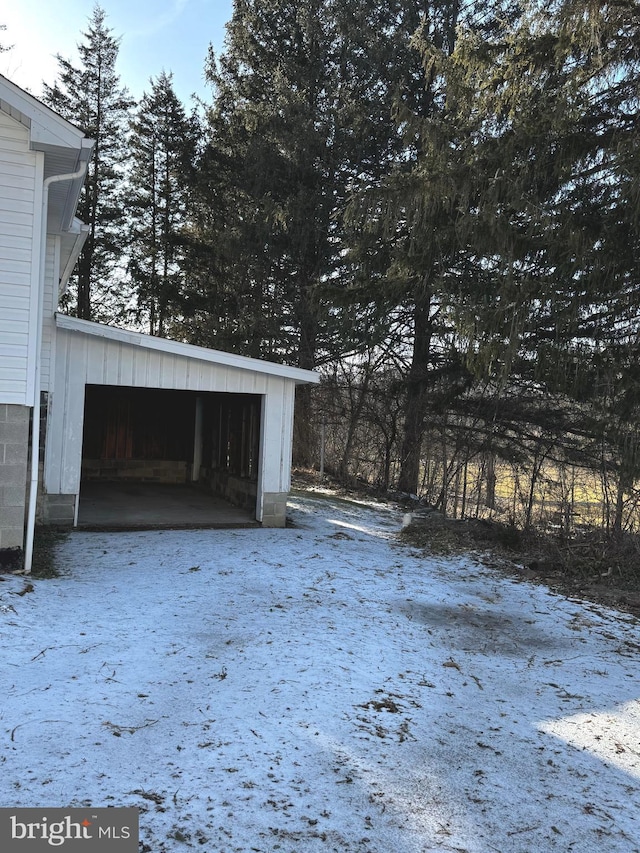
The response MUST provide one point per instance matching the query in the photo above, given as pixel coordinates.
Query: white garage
(131, 408)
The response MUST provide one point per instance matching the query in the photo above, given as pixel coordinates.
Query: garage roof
(297, 374)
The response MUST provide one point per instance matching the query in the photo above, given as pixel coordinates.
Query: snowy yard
(320, 688)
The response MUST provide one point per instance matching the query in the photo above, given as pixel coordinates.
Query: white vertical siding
(110, 362)
(63, 454)
(85, 359)
(276, 436)
(50, 300)
(20, 215)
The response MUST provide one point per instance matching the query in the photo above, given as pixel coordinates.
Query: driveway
(319, 688)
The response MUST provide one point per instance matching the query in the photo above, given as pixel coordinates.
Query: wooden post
(197, 442)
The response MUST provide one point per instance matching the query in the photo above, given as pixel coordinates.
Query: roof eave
(47, 128)
(74, 239)
(75, 186)
(64, 146)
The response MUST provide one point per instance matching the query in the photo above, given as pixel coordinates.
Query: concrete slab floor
(139, 506)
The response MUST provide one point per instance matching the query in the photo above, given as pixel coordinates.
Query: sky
(156, 35)
(318, 688)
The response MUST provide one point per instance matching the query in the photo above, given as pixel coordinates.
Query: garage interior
(166, 458)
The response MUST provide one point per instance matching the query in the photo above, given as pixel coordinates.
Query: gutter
(35, 422)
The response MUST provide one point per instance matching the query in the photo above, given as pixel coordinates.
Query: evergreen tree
(560, 96)
(90, 96)
(302, 117)
(161, 153)
(413, 243)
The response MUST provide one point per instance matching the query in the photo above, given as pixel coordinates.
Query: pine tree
(556, 225)
(162, 149)
(586, 332)
(302, 117)
(90, 96)
(414, 253)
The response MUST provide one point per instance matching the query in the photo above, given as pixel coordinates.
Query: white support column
(276, 432)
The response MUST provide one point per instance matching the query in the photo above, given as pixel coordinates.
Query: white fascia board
(51, 136)
(241, 362)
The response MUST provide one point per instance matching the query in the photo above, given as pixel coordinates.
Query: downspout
(35, 423)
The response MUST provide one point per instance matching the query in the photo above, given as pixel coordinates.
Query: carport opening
(145, 435)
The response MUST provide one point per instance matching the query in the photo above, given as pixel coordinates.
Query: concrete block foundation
(14, 450)
(274, 509)
(239, 491)
(58, 510)
(135, 470)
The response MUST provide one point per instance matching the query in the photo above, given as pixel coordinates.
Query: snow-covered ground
(320, 688)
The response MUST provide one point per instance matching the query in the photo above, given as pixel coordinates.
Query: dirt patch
(589, 565)
(11, 560)
(43, 563)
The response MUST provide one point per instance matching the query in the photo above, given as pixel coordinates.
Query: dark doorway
(138, 434)
(146, 435)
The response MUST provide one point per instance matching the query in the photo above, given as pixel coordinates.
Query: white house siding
(83, 359)
(21, 173)
(50, 303)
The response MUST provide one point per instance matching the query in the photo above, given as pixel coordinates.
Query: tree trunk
(304, 435)
(416, 403)
(354, 421)
(83, 309)
(490, 499)
(623, 487)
